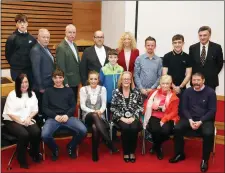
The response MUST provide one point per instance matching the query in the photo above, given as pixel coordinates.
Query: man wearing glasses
(94, 57)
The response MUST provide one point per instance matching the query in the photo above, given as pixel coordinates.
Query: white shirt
(21, 107)
(101, 54)
(72, 48)
(206, 48)
(93, 97)
(127, 58)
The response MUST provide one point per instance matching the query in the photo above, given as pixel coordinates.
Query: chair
(12, 140)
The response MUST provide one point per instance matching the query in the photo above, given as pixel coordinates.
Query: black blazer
(213, 63)
(42, 67)
(90, 62)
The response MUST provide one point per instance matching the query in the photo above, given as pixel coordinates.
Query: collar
(174, 53)
(96, 47)
(146, 56)
(206, 45)
(68, 41)
(22, 32)
(200, 88)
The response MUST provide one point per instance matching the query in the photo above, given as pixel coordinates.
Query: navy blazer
(42, 67)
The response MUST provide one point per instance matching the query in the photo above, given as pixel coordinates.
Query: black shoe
(152, 151)
(159, 153)
(126, 159)
(71, 152)
(132, 159)
(24, 165)
(55, 155)
(177, 158)
(204, 165)
(37, 158)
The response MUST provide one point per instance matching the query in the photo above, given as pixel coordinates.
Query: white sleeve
(10, 103)
(103, 98)
(83, 97)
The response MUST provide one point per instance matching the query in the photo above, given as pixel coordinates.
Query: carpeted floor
(115, 163)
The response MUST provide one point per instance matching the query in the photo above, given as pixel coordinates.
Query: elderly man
(67, 58)
(94, 57)
(42, 65)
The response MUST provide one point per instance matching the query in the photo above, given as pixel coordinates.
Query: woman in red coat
(127, 52)
(161, 114)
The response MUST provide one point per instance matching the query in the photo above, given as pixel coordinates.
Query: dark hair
(18, 82)
(58, 72)
(178, 37)
(21, 17)
(204, 28)
(150, 39)
(112, 52)
(198, 74)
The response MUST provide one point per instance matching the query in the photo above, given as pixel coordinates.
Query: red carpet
(220, 111)
(115, 163)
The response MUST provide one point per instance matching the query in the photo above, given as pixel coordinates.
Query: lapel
(123, 62)
(69, 50)
(131, 59)
(46, 54)
(96, 56)
(197, 53)
(209, 52)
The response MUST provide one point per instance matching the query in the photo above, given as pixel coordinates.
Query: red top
(121, 59)
(162, 98)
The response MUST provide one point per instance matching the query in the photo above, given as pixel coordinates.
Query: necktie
(203, 54)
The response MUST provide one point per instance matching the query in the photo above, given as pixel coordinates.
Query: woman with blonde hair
(126, 107)
(127, 52)
(161, 113)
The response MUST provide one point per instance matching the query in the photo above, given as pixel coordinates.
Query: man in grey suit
(94, 57)
(42, 65)
(67, 58)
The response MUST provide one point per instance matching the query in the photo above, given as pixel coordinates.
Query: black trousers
(206, 130)
(129, 135)
(75, 90)
(98, 128)
(25, 135)
(159, 134)
(109, 114)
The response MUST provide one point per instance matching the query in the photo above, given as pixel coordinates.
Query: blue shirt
(147, 72)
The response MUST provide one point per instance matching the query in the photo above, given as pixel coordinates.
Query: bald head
(99, 38)
(43, 37)
(70, 32)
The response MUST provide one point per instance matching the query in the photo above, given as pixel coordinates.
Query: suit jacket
(67, 61)
(90, 62)
(213, 63)
(42, 67)
(121, 59)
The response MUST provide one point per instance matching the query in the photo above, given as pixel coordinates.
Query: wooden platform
(7, 85)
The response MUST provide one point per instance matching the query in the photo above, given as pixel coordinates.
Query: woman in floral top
(126, 107)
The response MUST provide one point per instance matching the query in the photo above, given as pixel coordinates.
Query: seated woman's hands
(127, 120)
(98, 112)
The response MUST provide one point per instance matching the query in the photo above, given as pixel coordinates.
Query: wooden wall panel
(51, 15)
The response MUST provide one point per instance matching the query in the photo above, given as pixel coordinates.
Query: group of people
(118, 83)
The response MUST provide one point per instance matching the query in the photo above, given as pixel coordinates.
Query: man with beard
(198, 114)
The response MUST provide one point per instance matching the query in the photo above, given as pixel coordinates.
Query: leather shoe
(126, 159)
(159, 153)
(132, 159)
(71, 152)
(177, 158)
(55, 155)
(204, 165)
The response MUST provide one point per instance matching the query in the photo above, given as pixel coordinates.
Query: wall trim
(221, 98)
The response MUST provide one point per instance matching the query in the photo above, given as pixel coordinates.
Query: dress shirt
(72, 48)
(101, 54)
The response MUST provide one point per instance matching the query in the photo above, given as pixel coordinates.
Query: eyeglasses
(99, 37)
(21, 22)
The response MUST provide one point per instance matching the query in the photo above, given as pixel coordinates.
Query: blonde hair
(90, 73)
(133, 41)
(121, 77)
(166, 78)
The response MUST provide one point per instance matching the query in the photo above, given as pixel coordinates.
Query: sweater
(58, 101)
(17, 50)
(109, 76)
(199, 105)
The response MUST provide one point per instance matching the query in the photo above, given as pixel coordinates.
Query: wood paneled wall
(53, 15)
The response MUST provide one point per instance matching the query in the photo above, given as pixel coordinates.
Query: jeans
(78, 129)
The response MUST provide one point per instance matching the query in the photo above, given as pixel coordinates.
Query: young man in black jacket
(17, 49)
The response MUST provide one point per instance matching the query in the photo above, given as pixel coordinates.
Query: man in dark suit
(207, 57)
(67, 58)
(42, 65)
(94, 57)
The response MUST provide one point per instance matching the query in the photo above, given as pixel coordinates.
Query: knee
(45, 134)
(36, 133)
(24, 137)
(208, 133)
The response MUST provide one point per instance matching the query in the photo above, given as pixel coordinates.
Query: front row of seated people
(160, 112)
